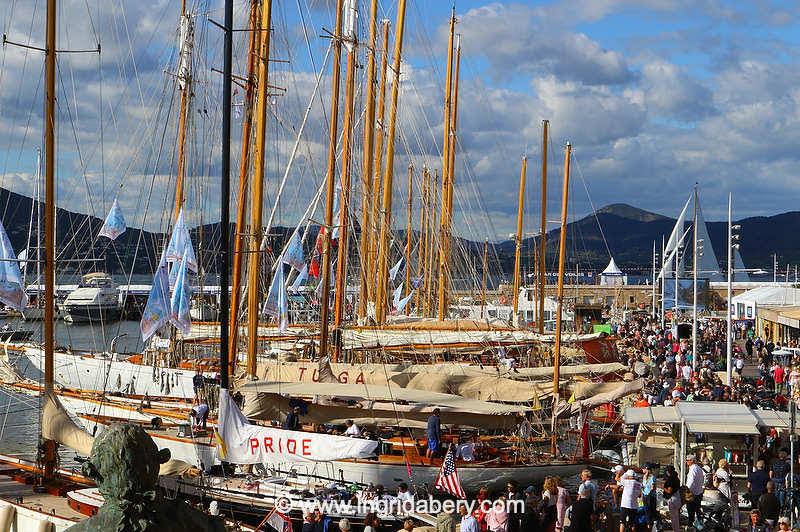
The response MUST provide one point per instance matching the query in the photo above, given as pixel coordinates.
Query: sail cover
(243, 443)
(12, 293)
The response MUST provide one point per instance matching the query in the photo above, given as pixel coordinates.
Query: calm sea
(19, 414)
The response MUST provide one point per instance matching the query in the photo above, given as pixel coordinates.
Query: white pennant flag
(114, 224)
(395, 269)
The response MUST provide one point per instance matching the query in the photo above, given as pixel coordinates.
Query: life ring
(503, 300)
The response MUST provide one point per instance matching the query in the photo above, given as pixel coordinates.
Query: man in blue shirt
(434, 433)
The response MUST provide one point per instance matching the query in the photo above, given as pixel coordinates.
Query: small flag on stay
(279, 522)
(448, 480)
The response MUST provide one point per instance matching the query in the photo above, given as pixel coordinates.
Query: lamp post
(655, 261)
(698, 252)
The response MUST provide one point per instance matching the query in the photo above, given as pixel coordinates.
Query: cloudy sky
(654, 95)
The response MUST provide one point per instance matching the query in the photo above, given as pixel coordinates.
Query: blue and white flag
(12, 293)
(157, 311)
(115, 222)
(300, 280)
(293, 253)
(180, 245)
(395, 269)
(277, 303)
(403, 302)
(181, 297)
(336, 214)
(396, 296)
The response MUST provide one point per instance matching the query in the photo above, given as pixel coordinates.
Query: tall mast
(484, 275)
(367, 193)
(225, 193)
(331, 182)
(50, 446)
(378, 166)
(433, 247)
(728, 324)
(388, 175)
(257, 190)
(518, 236)
(184, 84)
(409, 209)
(422, 261)
(562, 251)
(448, 103)
(543, 236)
(340, 293)
(244, 172)
(695, 255)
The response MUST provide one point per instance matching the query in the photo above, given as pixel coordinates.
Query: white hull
(201, 452)
(18, 518)
(102, 374)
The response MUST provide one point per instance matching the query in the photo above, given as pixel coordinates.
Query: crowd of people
(672, 374)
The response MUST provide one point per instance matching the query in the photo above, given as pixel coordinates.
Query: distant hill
(629, 234)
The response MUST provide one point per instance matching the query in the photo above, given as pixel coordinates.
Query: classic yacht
(96, 298)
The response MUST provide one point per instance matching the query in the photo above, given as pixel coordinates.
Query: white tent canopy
(612, 268)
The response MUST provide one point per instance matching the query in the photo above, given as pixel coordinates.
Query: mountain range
(624, 231)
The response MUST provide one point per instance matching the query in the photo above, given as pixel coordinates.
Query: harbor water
(19, 414)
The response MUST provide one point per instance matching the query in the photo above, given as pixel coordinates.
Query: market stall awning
(699, 417)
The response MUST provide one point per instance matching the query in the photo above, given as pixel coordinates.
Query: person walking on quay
(434, 433)
(695, 481)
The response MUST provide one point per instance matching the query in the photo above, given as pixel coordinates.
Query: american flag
(448, 480)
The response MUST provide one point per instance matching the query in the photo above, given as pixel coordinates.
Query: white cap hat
(618, 469)
(629, 474)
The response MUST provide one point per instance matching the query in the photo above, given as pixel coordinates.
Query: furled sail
(12, 291)
(185, 45)
(58, 426)
(243, 443)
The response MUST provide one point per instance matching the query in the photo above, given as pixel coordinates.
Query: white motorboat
(95, 299)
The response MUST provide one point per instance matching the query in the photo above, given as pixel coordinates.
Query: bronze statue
(124, 463)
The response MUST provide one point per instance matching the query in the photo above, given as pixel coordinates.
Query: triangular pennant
(115, 222)
(180, 245)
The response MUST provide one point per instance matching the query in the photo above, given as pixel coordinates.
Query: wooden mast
(433, 246)
(409, 210)
(451, 175)
(388, 175)
(543, 236)
(448, 102)
(562, 251)
(484, 275)
(185, 94)
(378, 166)
(423, 242)
(340, 292)
(367, 193)
(331, 182)
(257, 190)
(225, 193)
(50, 446)
(518, 236)
(244, 172)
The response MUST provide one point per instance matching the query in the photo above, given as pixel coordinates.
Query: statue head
(124, 462)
